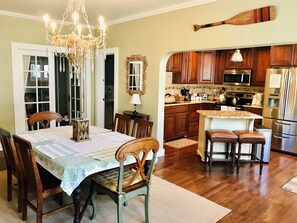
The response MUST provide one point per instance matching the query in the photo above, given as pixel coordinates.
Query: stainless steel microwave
(237, 77)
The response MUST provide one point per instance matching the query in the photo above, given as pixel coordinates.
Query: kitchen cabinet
(247, 62)
(175, 121)
(260, 65)
(174, 63)
(220, 66)
(207, 67)
(282, 55)
(194, 116)
(189, 69)
(257, 111)
(193, 119)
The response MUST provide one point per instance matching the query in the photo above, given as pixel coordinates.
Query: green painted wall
(155, 37)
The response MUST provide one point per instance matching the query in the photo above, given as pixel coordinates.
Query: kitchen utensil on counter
(169, 98)
(257, 99)
(234, 101)
(222, 97)
(248, 17)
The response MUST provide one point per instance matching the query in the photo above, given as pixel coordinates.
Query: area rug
(169, 204)
(181, 143)
(291, 185)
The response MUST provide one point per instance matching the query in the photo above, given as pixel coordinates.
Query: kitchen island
(229, 120)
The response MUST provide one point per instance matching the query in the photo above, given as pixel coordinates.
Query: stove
(235, 100)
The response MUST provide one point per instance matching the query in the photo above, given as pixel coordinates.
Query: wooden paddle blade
(264, 14)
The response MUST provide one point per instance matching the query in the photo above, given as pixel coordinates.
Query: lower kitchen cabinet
(183, 120)
(257, 111)
(175, 121)
(193, 119)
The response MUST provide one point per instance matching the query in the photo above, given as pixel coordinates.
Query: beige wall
(155, 37)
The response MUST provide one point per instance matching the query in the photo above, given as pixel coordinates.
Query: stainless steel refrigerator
(280, 108)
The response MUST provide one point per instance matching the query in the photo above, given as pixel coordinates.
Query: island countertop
(228, 114)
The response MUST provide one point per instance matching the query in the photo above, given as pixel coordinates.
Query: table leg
(76, 203)
(147, 166)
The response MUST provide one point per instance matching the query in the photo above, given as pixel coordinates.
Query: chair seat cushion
(247, 136)
(109, 179)
(221, 135)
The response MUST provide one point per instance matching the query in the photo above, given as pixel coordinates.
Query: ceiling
(114, 11)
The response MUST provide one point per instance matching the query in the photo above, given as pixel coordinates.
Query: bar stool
(220, 135)
(254, 138)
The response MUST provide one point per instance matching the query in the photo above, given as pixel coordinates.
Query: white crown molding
(160, 11)
(126, 19)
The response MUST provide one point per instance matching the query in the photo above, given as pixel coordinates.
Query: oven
(235, 101)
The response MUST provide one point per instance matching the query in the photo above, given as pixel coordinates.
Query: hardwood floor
(251, 197)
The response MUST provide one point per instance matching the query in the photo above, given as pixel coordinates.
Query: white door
(102, 87)
(33, 82)
(33, 69)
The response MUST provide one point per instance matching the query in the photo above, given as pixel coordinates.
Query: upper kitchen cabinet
(207, 67)
(283, 55)
(189, 71)
(220, 66)
(174, 63)
(247, 62)
(260, 64)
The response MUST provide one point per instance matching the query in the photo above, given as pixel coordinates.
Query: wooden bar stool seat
(254, 138)
(220, 135)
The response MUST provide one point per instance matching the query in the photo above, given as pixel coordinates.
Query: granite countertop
(229, 114)
(189, 102)
(253, 106)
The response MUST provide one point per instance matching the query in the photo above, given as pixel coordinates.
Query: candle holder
(80, 130)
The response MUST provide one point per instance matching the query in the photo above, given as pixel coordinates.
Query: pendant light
(237, 57)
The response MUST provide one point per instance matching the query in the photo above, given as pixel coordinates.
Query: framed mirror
(136, 66)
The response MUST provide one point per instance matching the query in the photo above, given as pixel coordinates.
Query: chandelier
(77, 42)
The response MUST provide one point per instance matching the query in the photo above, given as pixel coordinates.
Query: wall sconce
(136, 101)
(237, 57)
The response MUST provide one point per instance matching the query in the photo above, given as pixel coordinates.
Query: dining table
(73, 161)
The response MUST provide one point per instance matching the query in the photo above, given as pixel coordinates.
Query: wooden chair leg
(9, 184)
(227, 151)
(238, 157)
(20, 195)
(261, 158)
(206, 153)
(210, 156)
(119, 209)
(147, 207)
(233, 147)
(24, 198)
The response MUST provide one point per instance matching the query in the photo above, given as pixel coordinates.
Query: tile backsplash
(212, 90)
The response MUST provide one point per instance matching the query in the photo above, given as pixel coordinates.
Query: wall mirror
(136, 66)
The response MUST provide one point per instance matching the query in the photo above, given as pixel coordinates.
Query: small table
(138, 115)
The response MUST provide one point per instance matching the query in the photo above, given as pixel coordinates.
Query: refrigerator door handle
(280, 123)
(280, 137)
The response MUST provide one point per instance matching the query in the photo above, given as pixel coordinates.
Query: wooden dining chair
(40, 182)
(142, 128)
(122, 184)
(44, 119)
(121, 124)
(12, 166)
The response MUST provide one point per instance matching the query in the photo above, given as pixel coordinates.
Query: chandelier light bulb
(46, 19)
(54, 26)
(75, 18)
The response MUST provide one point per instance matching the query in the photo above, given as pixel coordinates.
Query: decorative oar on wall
(249, 17)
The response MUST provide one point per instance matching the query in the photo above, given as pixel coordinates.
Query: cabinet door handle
(280, 137)
(280, 123)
